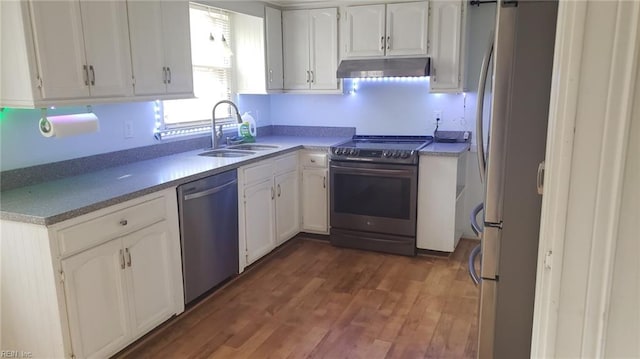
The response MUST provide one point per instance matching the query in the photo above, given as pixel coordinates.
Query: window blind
(212, 70)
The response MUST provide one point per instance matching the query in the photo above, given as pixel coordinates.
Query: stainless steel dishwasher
(208, 232)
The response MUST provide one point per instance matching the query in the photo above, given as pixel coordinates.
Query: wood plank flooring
(313, 300)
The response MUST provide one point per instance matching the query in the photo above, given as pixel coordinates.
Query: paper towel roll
(68, 125)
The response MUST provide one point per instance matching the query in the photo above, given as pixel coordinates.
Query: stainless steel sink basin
(254, 147)
(226, 153)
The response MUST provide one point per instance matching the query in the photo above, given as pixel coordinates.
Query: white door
(364, 33)
(287, 213)
(96, 302)
(295, 46)
(259, 220)
(149, 277)
(59, 47)
(273, 31)
(177, 46)
(314, 200)
(147, 47)
(447, 34)
(407, 28)
(323, 49)
(106, 39)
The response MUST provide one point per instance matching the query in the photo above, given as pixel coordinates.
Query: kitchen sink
(226, 153)
(254, 147)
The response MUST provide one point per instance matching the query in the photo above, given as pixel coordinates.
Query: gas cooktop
(387, 149)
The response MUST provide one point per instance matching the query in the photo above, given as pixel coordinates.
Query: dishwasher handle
(210, 191)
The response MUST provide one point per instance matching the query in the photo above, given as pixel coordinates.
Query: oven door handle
(361, 170)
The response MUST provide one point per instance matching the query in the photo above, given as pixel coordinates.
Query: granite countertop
(52, 202)
(55, 201)
(445, 149)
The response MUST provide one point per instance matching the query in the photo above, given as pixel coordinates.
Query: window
(212, 69)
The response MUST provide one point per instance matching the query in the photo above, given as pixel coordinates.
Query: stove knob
(404, 155)
(340, 151)
(386, 154)
(352, 152)
(396, 154)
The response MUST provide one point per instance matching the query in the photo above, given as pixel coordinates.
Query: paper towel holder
(45, 125)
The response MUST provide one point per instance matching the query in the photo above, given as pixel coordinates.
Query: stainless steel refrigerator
(510, 169)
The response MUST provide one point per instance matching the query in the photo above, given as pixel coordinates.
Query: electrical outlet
(437, 114)
(128, 129)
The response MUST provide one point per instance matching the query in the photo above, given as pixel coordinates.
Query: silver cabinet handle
(433, 73)
(313, 160)
(313, 77)
(126, 250)
(382, 43)
(123, 222)
(388, 42)
(540, 178)
(169, 75)
(270, 75)
(308, 76)
(279, 190)
(93, 75)
(121, 259)
(164, 74)
(86, 75)
(273, 193)
(324, 182)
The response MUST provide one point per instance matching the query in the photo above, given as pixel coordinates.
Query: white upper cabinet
(160, 47)
(310, 47)
(273, 30)
(364, 31)
(399, 29)
(447, 39)
(258, 52)
(69, 52)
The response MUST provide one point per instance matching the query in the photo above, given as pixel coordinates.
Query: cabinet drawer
(257, 173)
(314, 159)
(286, 163)
(112, 225)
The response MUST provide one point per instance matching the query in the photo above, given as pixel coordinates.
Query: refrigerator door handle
(474, 219)
(475, 252)
(540, 178)
(482, 83)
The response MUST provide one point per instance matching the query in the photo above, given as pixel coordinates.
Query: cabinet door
(59, 45)
(259, 220)
(447, 28)
(287, 213)
(106, 39)
(323, 49)
(147, 48)
(295, 46)
(273, 34)
(149, 277)
(314, 200)
(407, 28)
(96, 302)
(177, 46)
(364, 33)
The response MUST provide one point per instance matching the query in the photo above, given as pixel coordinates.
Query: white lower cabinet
(259, 220)
(268, 208)
(315, 192)
(441, 187)
(118, 290)
(287, 219)
(96, 302)
(96, 282)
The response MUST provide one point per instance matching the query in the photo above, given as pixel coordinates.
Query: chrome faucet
(216, 133)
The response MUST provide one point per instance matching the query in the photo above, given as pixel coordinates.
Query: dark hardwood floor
(313, 300)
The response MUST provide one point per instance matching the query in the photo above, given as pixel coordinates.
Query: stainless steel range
(374, 184)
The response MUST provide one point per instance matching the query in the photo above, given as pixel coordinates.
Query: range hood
(403, 67)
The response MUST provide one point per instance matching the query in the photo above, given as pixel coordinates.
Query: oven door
(374, 197)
